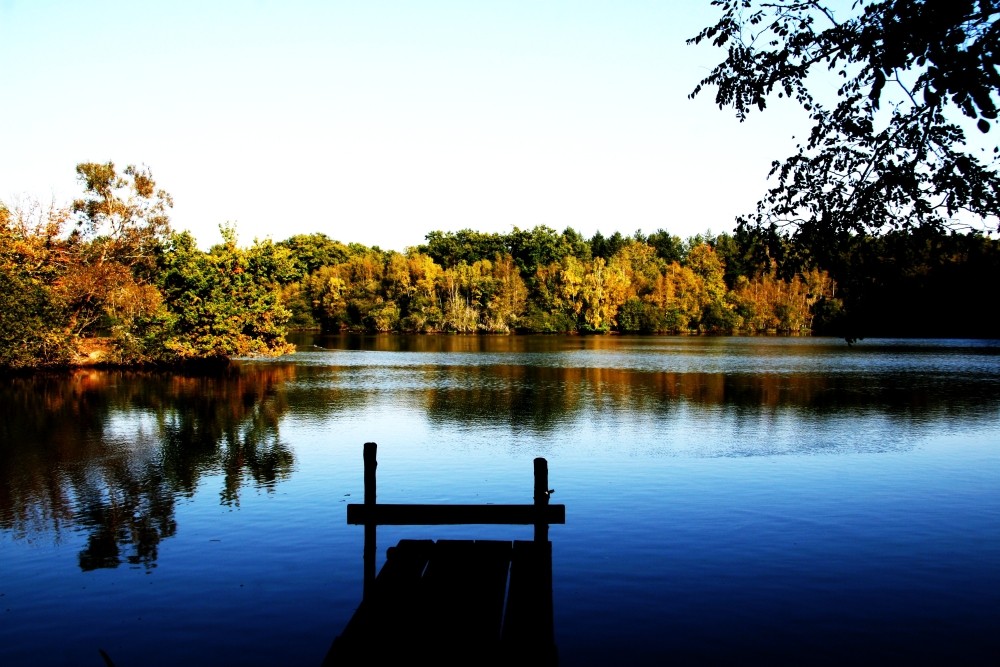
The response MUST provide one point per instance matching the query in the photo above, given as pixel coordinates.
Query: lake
(728, 500)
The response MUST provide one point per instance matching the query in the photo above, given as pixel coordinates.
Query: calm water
(729, 500)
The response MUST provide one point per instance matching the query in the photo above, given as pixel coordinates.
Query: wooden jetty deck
(469, 602)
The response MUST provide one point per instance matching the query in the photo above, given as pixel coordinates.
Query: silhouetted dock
(474, 602)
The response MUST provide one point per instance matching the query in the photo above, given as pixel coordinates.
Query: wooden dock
(469, 602)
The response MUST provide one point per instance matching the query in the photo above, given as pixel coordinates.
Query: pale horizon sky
(378, 122)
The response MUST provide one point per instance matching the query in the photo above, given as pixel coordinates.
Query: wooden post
(541, 499)
(370, 526)
(543, 648)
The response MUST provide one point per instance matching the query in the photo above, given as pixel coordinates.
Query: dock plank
(454, 602)
(528, 632)
(465, 587)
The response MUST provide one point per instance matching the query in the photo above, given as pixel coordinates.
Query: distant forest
(107, 280)
(540, 280)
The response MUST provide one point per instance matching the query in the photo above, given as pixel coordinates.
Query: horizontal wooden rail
(437, 515)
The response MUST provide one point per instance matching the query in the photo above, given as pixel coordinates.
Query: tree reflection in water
(111, 451)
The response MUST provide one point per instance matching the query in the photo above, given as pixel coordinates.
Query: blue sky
(379, 121)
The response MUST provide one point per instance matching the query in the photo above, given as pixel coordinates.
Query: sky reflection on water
(766, 500)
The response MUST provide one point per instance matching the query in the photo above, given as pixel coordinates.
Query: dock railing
(447, 581)
(372, 514)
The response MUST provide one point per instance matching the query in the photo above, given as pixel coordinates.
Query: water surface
(729, 500)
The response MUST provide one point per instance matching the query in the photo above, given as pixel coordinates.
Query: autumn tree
(604, 290)
(641, 267)
(121, 224)
(506, 298)
(32, 319)
(552, 306)
(768, 303)
(124, 214)
(678, 294)
(424, 309)
(461, 305)
(327, 292)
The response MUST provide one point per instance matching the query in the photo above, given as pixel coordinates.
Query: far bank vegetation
(107, 279)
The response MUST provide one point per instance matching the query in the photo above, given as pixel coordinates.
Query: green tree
(731, 255)
(575, 245)
(606, 247)
(537, 247)
(467, 245)
(669, 248)
(309, 252)
(223, 303)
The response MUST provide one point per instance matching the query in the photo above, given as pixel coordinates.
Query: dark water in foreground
(728, 500)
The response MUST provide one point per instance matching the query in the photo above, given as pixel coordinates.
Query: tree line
(874, 226)
(107, 279)
(543, 281)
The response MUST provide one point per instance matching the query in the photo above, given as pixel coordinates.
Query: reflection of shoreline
(538, 382)
(694, 343)
(109, 451)
(541, 398)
